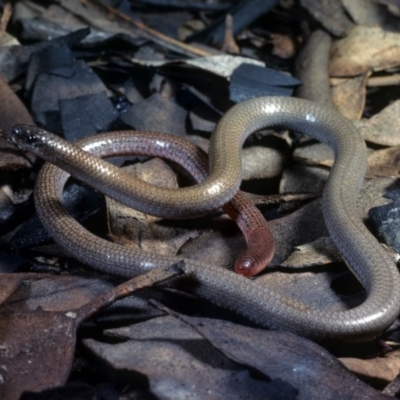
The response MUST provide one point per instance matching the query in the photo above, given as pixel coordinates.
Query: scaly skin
(361, 251)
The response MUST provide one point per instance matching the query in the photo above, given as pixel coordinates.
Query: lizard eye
(25, 134)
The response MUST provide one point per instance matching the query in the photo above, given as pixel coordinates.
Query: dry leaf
(384, 368)
(349, 95)
(34, 340)
(319, 252)
(350, 56)
(382, 128)
(39, 330)
(385, 162)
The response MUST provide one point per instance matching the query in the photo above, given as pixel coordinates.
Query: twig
(229, 45)
(166, 41)
(127, 288)
(384, 80)
(7, 11)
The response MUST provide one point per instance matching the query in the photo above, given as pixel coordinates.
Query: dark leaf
(298, 362)
(249, 81)
(85, 115)
(50, 88)
(156, 113)
(386, 220)
(175, 359)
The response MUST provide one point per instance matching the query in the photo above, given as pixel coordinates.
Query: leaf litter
(132, 70)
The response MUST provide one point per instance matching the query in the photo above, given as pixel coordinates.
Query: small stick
(7, 11)
(229, 45)
(166, 41)
(390, 80)
(148, 279)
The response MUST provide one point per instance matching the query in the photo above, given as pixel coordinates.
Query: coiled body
(260, 243)
(361, 251)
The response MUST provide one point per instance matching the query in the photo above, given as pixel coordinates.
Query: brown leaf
(38, 344)
(38, 330)
(384, 368)
(11, 110)
(382, 128)
(385, 162)
(53, 292)
(319, 252)
(350, 56)
(37, 349)
(349, 96)
(9, 283)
